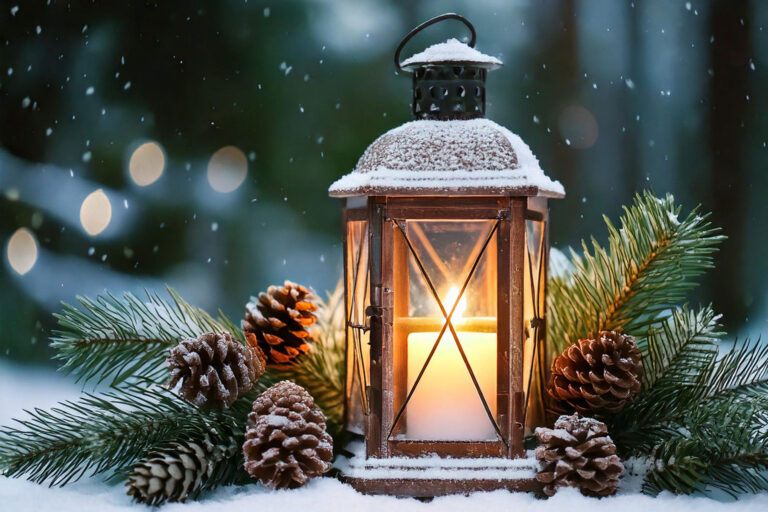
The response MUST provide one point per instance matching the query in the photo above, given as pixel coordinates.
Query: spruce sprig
(98, 433)
(649, 265)
(685, 372)
(716, 448)
(118, 339)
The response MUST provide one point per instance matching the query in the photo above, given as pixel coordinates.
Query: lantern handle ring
(446, 16)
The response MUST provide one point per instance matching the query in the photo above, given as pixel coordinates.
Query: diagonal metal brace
(447, 324)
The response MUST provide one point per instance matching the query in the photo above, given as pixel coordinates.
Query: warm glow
(95, 212)
(450, 300)
(22, 251)
(227, 169)
(446, 405)
(147, 164)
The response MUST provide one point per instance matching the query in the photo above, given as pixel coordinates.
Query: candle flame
(450, 300)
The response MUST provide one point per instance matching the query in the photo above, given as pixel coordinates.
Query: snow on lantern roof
(439, 158)
(451, 51)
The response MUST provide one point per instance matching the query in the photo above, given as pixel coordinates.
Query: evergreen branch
(648, 267)
(687, 338)
(98, 433)
(684, 373)
(127, 338)
(717, 448)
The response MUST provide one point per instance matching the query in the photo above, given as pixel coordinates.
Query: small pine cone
(578, 453)
(214, 369)
(597, 375)
(286, 442)
(175, 472)
(279, 320)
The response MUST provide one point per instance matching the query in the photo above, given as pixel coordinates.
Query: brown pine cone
(597, 375)
(214, 369)
(286, 442)
(279, 320)
(578, 453)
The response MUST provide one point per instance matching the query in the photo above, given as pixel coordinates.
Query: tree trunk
(729, 52)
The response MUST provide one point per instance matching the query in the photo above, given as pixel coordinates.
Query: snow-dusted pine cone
(597, 375)
(175, 472)
(578, 453)
(214, 369)
(286, 442)
(279, 320)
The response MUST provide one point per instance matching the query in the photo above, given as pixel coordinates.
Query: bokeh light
(227, 169)
(22, 251)
(95, 212)
(578, 127)
(147, 163)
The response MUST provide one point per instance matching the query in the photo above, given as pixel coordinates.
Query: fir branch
(716, 448)
(127, 338)
(648, 267)
(99, 433)
(684, 372)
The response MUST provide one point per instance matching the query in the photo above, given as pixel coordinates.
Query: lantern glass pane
(357, 293)
(445, 404)
(533, 315)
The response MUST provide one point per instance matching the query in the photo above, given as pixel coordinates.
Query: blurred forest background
(210, 131)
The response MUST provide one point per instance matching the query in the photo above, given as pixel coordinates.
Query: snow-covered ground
(25, 387)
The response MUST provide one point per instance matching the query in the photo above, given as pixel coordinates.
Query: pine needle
(98, 433)
(651, 262)
(111, 339)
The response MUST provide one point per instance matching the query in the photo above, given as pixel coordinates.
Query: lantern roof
(451, 52)
(448, 157)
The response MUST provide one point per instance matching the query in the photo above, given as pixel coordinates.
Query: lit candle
(445, 405)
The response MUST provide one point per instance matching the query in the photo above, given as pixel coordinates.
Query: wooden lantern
(445, 257)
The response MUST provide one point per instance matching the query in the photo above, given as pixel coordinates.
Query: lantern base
(427, 477)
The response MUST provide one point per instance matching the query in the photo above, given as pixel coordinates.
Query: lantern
(445, 254)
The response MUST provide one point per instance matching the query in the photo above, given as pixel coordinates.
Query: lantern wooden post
(446, 201)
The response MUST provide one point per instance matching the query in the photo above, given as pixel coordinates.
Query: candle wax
(445, 405)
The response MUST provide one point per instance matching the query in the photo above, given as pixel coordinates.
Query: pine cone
(578, 453)
(286, 442)
(279, 320)
(174, 473)
(597, 375)
(214, 369)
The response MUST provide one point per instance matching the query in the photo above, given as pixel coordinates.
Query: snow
(452, 50)
(26, 386)
(476, 156)
(434, 467)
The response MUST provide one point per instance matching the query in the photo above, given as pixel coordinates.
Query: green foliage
(701, 414)
(685, 376)
(118, 339)
(125, 341)
(647, 267)
(721, 447)
(98, 433)
(322, 370)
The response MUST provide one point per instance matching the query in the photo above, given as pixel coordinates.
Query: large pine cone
(578, 453)
(175, 472)
(279, 320)
(597, 375)
(286, 442)
(214, 369)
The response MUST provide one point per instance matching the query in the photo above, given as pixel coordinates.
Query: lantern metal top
(452, 149)
(443, 158)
